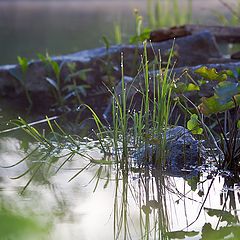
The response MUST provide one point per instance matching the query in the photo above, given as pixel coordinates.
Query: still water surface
(102, 202)
(27, 28)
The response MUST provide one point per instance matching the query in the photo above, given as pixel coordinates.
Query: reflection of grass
(15, 226)
(146, 189)
(234, 11)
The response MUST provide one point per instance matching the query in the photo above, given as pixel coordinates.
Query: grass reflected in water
(119, 203)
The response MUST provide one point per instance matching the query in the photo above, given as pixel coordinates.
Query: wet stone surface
(183, 151)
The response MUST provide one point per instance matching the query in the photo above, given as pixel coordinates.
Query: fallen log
(221, 33)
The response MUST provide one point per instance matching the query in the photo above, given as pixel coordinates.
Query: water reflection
(139, 204)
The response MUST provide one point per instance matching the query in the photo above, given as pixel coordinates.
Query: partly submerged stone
(183, 151)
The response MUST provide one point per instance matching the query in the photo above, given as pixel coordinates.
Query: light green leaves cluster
(226, 94)
(194, 125)
(212, 74)
(23, 63)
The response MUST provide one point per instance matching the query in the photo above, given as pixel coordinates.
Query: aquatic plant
(141, 33)
(143, 127)
(168, 13)
(23, 63)
(66, 87)
(55, 147)
(72, 87)
(54, 82)
(222, 109)
(118, 33)
(234, 18)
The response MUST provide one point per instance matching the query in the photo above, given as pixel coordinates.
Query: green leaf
(193, 125)
(200, 193)
(212, 105)
(238, 124)
(211, 74)
(226, 90)
(230, 73)
(72, 66)
(192, 87)
(140, 38)
(23, 63)
(44, 58)
(56, 68)
(106, 42)
(181, 234)
(146, 209)
(192, 182)
(101, 162)
(153, 204)
(181, 87)
(238, 72)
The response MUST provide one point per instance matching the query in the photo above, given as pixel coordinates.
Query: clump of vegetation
(220, 110)
(234, 10)
(168, 13)
(143, 127)
(65, 87)
(17, 226)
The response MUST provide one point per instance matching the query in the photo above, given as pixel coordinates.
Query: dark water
(29, 28)
(60, 27)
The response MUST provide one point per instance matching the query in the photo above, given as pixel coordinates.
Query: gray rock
(191, 50)
(136, 85)
(183, 150)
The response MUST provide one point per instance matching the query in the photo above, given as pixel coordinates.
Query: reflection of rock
(190, 51)
(182, 150)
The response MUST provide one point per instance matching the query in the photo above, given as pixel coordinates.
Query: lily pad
(212, 74)
(226, 90)
(183, 87)
(213, 105)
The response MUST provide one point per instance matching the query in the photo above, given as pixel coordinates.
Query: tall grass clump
(147, 126)
(233, 18)
(168, 13)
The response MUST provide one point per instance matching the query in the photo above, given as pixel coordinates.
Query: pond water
(62, 27)
(103, 201)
